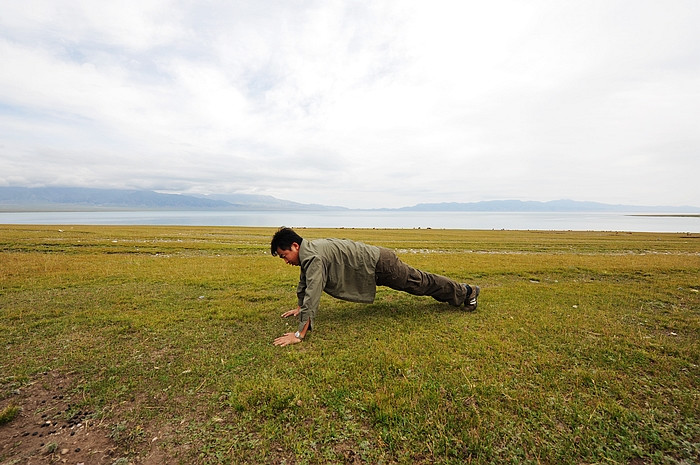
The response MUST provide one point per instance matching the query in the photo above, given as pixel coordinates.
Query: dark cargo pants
(394, 273)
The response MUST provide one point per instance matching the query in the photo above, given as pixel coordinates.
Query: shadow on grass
(391, 310)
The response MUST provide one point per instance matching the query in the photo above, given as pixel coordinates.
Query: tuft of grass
(50, 448)
(9, 413)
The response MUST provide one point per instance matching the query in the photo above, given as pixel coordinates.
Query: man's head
(285, 244)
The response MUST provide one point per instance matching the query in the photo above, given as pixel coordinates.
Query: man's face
(291, 256)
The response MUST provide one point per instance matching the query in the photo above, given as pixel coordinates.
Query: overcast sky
(356, 103)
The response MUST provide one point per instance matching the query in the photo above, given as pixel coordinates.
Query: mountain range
(80, 198)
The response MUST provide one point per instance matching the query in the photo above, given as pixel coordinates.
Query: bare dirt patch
(51, 427)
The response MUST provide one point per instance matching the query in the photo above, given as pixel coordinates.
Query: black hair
(283, 239)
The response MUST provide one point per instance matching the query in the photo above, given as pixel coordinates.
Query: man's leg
(394, 273)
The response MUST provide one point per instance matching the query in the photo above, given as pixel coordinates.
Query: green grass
(585, 347)
(8, 414)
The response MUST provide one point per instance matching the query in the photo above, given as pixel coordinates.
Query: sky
(362, 104)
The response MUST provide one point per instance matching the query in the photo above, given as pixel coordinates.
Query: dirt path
(51, 428)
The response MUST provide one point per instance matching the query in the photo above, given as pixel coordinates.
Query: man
(350, 270)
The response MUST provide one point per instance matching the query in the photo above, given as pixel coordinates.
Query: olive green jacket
(342, 268)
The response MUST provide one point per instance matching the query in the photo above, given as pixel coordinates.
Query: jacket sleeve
(301, 288)
(311, 284)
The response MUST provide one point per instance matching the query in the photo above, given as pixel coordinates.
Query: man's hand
(290, 338)
(287, 339)
(294, 312)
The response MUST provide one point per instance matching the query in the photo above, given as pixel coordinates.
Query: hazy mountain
(66, 198)
(552, 206)
(86, 198)
(78, 198)
(266, 202)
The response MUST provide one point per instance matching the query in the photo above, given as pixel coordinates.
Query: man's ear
(295, 246)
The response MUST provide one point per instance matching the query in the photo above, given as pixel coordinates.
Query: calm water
(369, 219)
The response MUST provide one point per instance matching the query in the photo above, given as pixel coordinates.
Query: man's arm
(309, 292)
(314, 279)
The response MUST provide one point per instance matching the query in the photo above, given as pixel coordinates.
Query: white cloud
(357, 103)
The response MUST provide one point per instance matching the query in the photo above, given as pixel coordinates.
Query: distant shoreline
(77, 208)
(545, 221)
(663, 215)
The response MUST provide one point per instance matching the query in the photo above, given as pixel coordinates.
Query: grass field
(157, 341)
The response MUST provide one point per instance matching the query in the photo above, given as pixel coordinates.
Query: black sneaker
(470, 302)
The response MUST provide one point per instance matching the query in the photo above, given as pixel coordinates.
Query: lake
(578, 221)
